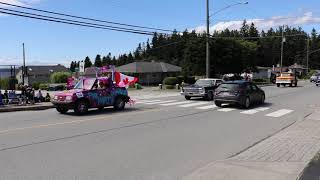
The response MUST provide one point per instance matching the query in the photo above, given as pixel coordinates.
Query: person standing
(6, 97)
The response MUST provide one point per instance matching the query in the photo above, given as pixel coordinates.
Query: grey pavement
(280, 157)
(147, 140)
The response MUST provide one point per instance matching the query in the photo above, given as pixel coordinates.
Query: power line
(73, 23)
(85, 18)
(37, 15)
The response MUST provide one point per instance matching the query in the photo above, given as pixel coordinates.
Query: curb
(28, 108)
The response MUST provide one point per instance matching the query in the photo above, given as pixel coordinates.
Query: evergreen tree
(87, 62)
(98, 61)
(244, 31)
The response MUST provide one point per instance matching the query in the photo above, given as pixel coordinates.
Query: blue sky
(51, 43)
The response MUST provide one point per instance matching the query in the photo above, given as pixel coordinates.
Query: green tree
(60, 77)
(98, 61)
(87, 62)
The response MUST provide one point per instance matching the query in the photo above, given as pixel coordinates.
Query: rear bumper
(229, 100)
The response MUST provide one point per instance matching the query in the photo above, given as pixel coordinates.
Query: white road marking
(226, 109)
(160, 102)
(142, 102)
(207, 107)
(176, 103)
(253, 111)
(194, 104)
(280, 113)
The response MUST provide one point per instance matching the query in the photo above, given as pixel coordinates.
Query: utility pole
(282, 43)
(308, 47)
(24, 65)
(207, 41)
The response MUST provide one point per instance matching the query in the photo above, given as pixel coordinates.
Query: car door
(255, 92)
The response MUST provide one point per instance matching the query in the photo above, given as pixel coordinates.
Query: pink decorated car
(91, 93)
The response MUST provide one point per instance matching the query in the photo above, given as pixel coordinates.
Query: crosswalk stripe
(193, 104)
(160, 102)
(176, 103)
(226, 109)
(280, 113)
(253, 111)
(207, 107)
(146, 101)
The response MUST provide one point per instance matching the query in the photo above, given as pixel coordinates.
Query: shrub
(260, 80)
(4, 83)
(170, 81)
(170, 86)
(138, 86)
(36, 85)
(60, 77)
(44, 86)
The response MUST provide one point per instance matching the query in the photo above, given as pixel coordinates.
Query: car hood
(68, 92)
(194, 86)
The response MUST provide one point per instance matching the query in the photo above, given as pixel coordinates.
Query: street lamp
(208, 32)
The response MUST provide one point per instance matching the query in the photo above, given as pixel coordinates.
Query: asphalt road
(160, 138)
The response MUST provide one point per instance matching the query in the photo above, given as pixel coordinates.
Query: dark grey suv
(242, 93)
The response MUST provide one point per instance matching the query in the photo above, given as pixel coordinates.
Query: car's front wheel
(187, 97)
(119, 104)
(263, 98)
(62, 109)
(247, 103)
(81, 107)
(218, 104)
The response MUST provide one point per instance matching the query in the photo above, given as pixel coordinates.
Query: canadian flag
(124, 79)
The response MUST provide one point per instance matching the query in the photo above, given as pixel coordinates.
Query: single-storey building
(39, 74)
(150, 73)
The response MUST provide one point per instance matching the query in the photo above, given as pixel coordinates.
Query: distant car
(242, 93)
(287, 78)
(202, 88)
(314, 77)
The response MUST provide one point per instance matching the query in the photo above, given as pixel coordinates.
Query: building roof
(297, 66)
(148, 67)
(37, 70)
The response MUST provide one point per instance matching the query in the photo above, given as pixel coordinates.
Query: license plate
(226, 94)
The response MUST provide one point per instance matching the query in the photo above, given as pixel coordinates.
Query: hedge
(43, 86)
(170, 87)
(170, 81)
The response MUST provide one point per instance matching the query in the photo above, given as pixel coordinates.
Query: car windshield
(85, 84)
(203, 82)
(228, 86)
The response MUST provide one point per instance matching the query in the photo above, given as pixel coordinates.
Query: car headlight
(69, 98)
(55, 97)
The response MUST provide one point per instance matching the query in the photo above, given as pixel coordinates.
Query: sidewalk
(280, 157)
(35, 107)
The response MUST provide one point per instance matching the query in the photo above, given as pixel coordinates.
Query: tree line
(231, 51)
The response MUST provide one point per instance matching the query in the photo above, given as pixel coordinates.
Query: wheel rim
(82, 107)
(120, 104)
(247, 102)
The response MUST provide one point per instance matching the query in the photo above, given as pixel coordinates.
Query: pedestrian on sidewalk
(48, 98)
(5, 97)
(39, 98)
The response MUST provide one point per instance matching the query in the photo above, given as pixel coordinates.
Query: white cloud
(276, 21)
